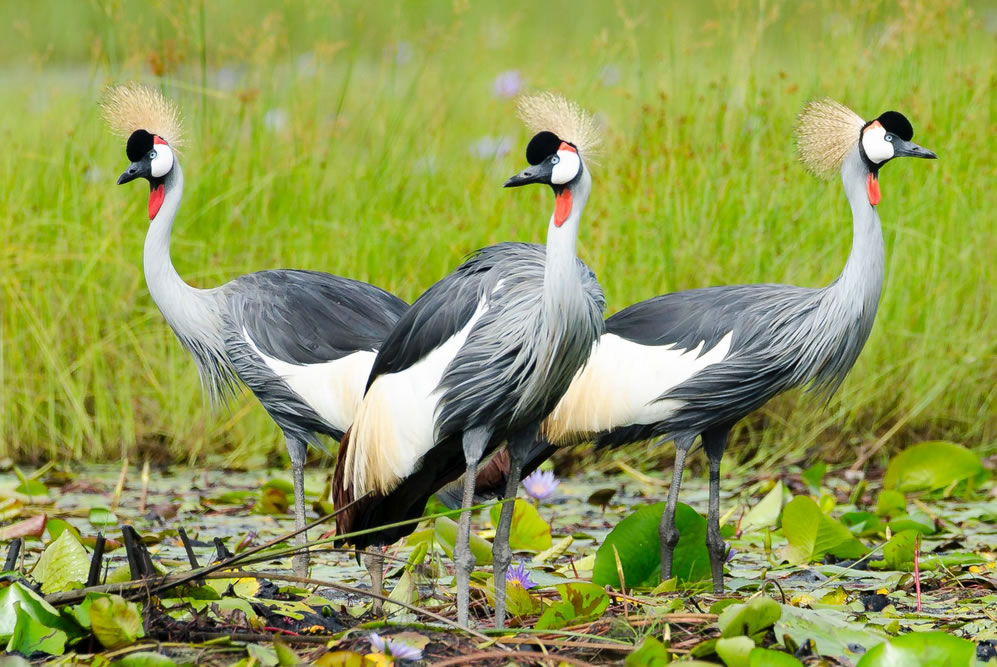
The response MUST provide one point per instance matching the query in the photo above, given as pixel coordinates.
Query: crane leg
(373, 560)
(298, 450)
(474, 442)
(518, 448)
(667, 531)
(714, 442)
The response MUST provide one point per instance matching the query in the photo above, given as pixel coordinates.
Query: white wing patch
(620, 385)
(395, 425)
(332, 389)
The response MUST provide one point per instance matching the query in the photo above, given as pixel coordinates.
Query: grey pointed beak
(135, 170)
(910, 149)
(538, 173)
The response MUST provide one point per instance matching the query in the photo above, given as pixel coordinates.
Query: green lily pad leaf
(929, 466)
(63, 565)
(650, 653)
(765, 657)
(735, 651)
(766, 513)
(636, 539)
(898, 553)
(528, 532)
(811, 534)
(18, 596)
(580, 602)
(272, 501)
(891, 503)
(31, 487)
(925, 649)
(282, 485)
(814, 475)
(404, 591)
(145, 659)
(115, 621)
(102, 516)
(263, 655)
(829, 628)
(748, 619)
(30, 635)
(916, 520)
(519, 602)
(54, 527)
(446, 536)
(861, 523)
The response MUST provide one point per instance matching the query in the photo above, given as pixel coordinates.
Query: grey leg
(714, 444)
(298, 451)
(667, 531)
(501, 553)
(475, 441)
(373, 560)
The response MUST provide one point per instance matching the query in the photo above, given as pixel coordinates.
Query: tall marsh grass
(372, 139)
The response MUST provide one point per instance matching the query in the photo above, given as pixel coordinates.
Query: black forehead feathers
(139, 144)
(896, 123)
(542, 146)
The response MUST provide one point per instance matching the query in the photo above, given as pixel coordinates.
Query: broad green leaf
(915, 520)
(282, 485)
(924, 649)
(518, 601)
(115, 621)
(814, 475)
(286, 657)
(811, 534)
(54, 527)
(17, 595)
(898, 553)
(764, 657)
(766, 513)
(263, 655)
(747, 619)
(861, 523)
(528, 532)
(830, 629)
(102, 516)
(580, 602)
(31, 487)
(342, 659)
(734, 651)
(63, 564)
(446, 537)
(404, 591)
(929, 466)
(650, 653)
(272, 500)
(145, 659)
(30, 635)
(636, 539)
(891, 503)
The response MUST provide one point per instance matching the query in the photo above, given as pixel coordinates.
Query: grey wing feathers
(307, 317)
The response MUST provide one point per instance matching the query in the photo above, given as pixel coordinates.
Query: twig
(145, 487)
(917, 571)
(502, 655)
(120, 486)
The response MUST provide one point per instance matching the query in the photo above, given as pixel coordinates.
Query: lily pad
(748, 619)
(446, 535)
(528, 532)
(63, 564)
(766, 513)
(650, 653)
(829, 628)
(32, 636)
(115, 621)
(925, 649)
(811, 534)
(929, 466)
(580, 602)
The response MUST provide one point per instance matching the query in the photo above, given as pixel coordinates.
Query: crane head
(552, 161)
(887, 137)
(152, 159)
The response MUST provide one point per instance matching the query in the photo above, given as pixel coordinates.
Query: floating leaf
(830, 630)
(17, 596)
(735, 651)
(929, 466)
(811, 534)
(63, 564)
(115, 621)
(898, 553)
(101, 516)
(32, 636)
(925, 649)
(272, 501)
(54, 527)
(862, 523)
(766, 512)
(556, 550)
(891, 503)
(33, 527)
(638, 544)
(342, 659)
(580, 602)
(446, 536)
(748, 619)
(528, 532)
(764, 657)
(32, 488)
(145, 659)
(650, 653)
(814, 475)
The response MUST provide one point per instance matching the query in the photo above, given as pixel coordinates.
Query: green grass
(372, 177)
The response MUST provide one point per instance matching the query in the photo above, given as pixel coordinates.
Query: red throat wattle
(562, 207)
(872, 189)
(156, 197)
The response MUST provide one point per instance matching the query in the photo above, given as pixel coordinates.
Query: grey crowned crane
(303, 342)
(694, 363)
(479, 359)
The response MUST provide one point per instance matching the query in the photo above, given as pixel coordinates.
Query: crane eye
(889, 137)
(152, 154)
(554, 159)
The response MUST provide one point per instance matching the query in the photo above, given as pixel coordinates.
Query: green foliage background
(347, 137)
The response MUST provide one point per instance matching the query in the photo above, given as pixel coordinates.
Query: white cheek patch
(877, 148)
(566, 169)
(163, 162)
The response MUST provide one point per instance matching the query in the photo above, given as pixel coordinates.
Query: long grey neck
(560, 273)
(861, 281)
(193, 314)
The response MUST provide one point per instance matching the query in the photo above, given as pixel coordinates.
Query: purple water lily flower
(541, 484)
(518, 574)
(507, 84)
(392, 648)
(731, 552)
